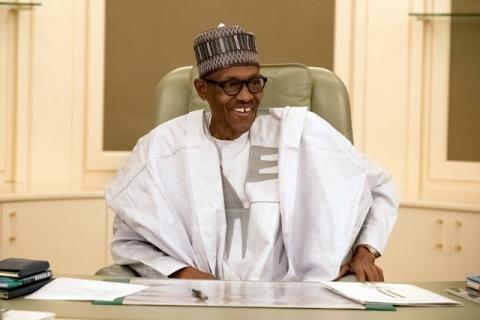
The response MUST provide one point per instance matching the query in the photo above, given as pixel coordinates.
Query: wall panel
(386, 94)
(8, 47)
(3, 91)
(52, 92)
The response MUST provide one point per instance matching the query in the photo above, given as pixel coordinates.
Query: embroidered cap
(223, 47)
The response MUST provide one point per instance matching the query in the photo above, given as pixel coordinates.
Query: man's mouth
(242, 110)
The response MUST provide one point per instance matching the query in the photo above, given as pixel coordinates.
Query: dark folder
(16, 267)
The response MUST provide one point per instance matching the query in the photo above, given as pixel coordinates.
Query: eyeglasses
(233, 87)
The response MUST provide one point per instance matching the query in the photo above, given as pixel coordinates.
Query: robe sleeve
(130, 248)
(383, 211)
(379, 190)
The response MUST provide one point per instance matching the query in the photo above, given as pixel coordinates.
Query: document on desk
(465, 293)
(80, 289)
(389, 293)
(27, 315)
(238, 294)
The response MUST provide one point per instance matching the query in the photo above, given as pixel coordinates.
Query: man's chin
(241, 129)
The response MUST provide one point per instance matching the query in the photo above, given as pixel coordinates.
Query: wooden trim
(10, 67)
(443, 206)
(23, 104)
(359, 70)
(4, 76)
(342, 55)
(96, 158)
(77, 118)
(458, 192)
(415, 89)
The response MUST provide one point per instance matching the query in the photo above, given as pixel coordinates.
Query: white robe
(169, 202)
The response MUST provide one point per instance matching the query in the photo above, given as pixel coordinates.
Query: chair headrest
(287, 85)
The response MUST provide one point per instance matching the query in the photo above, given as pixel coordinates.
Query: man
(240, 193)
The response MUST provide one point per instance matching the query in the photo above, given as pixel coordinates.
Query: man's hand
(191, 273)
(363, 266)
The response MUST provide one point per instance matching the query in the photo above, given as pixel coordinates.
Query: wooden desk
(86, 310)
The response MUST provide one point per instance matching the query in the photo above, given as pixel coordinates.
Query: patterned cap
(223, 47)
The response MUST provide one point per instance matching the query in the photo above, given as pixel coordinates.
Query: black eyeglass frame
(242, 83)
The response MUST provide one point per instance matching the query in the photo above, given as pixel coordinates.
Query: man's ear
(201, 88)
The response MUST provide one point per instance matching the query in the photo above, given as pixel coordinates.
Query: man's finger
(372, 274)
(360, 275)
(380, 273)
(343, 271)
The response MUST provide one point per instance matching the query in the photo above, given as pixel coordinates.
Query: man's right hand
(191, 273)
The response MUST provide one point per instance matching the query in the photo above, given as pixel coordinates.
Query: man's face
(231, 115)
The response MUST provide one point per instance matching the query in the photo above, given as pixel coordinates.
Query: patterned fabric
(222, 47)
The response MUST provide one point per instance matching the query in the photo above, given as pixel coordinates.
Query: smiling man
(242, 193)
(233, 94)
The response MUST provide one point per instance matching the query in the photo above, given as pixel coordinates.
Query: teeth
(242, 110)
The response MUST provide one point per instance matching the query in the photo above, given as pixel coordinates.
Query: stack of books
(471, 292)
(473, 282)
(22, 276)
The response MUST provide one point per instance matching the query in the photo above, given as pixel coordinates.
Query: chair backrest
(288, 84)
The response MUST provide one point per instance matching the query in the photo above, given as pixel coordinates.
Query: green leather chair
(288, 84)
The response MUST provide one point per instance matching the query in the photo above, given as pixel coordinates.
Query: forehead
(236, 72)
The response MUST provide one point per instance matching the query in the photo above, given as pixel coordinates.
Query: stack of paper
(388, 293)
(27, 315)
(79, 289)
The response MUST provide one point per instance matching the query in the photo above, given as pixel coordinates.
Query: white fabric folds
(169, 202)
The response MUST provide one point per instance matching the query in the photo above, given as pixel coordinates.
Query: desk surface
(86, 310)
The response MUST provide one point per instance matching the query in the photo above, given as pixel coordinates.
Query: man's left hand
(363, 266)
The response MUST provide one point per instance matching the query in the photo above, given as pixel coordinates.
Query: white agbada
(170, 209)
(254, 247)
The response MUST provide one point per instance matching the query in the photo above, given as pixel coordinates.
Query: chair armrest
(117, 270)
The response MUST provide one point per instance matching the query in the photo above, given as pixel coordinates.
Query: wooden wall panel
(3, 91)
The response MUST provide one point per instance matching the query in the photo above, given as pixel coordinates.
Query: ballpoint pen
(199, 295)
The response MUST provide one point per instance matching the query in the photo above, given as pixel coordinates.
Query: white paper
(27, 315)
(465, 293)
(388, 293)
(239, 294)
(80, 289)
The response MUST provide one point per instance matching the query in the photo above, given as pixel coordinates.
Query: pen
(199, 295)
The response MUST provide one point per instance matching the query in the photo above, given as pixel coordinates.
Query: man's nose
(245, 95)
